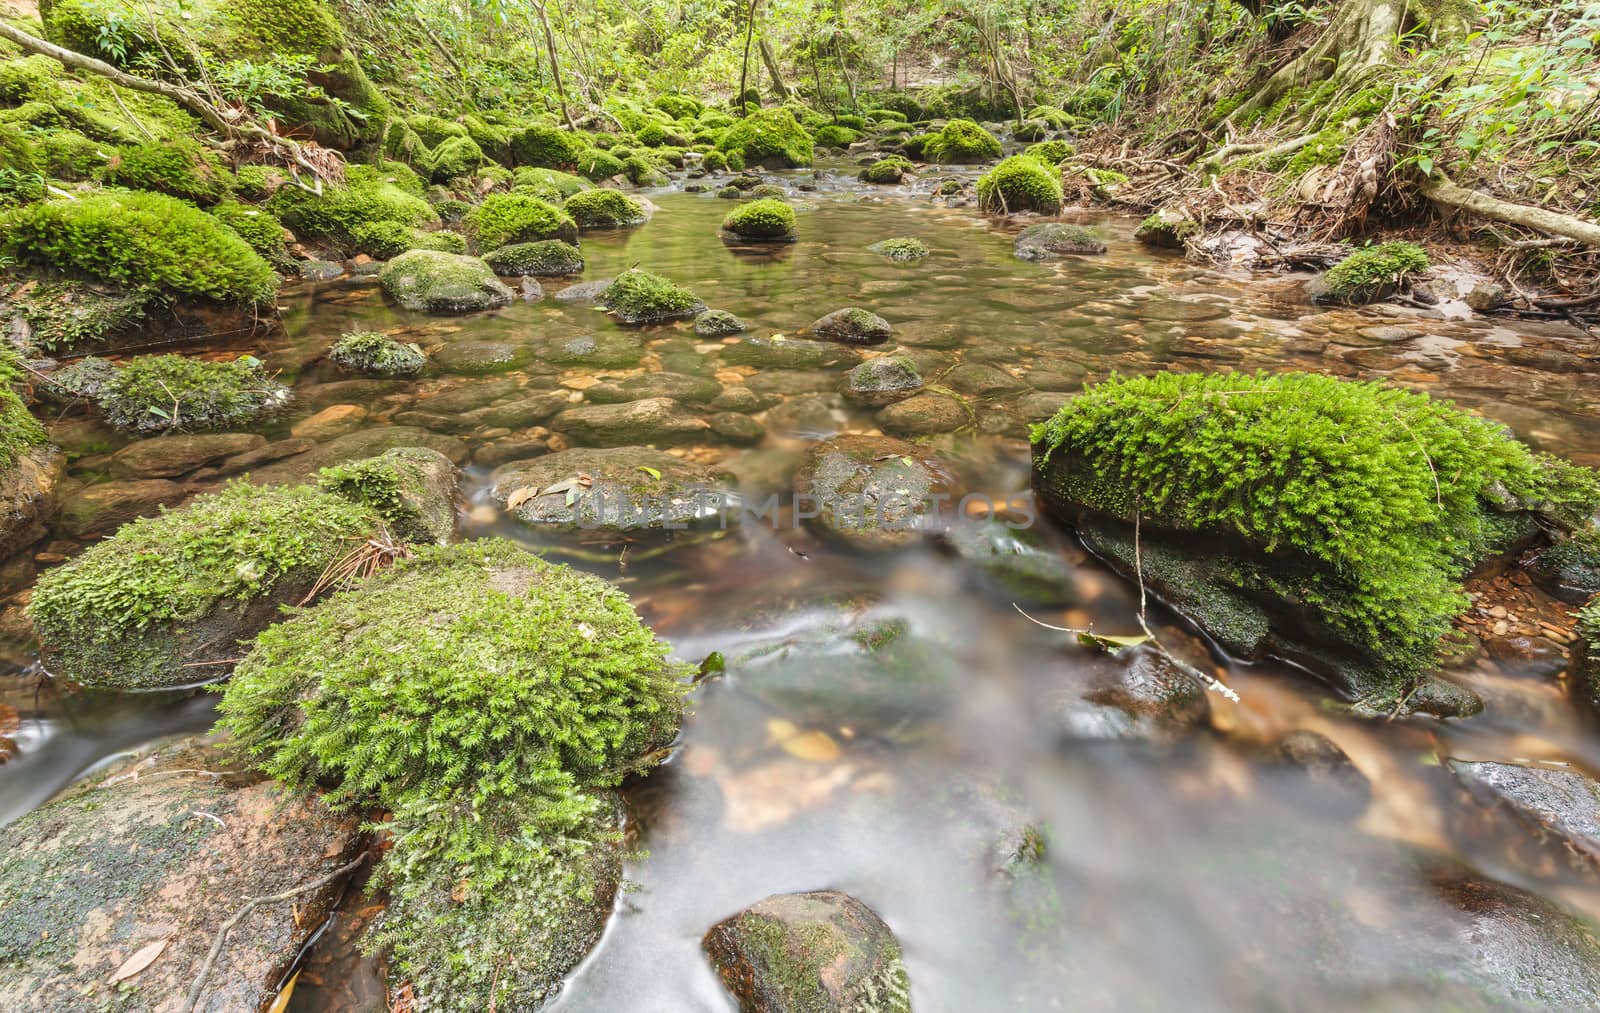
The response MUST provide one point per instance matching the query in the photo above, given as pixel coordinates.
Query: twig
(250, 904)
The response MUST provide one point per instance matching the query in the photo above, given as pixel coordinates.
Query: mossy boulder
(411, 488)
(30, 470)
(506, 218)
(1317, 520)
(852, 326)
(375, 354)
(893, 169)
(1052, 240)
(822, 952)
(835, 136)
(1051, 152)
(548, 258)
(549, 148)
(631, 490)
(718, 324)
(1166, 229)
(765, 221)
(431, 281)
(120, 864)
(905, 249)
(453, 158)
(605, 209)
(770, 138)
(1021, 183)
(1370, 275)
(881, 381)
(542, 182)
(140, 240)
(961, 142)
(639, 297)
(258, 227)
(179, 168)
(534, 688)
(597, 165)
(158, 393)
(364, 217)
(165, 601)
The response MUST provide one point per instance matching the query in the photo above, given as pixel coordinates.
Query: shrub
(1373, 273)
(179, 168)
(140, 239)
(1021, 183)
(1384, 490)
(377, 354)
(768, 137)
(548, 258)
(639, 297)
(961, 142)
(505, 218)
(605, 209)
(765, 219)
(155, 393)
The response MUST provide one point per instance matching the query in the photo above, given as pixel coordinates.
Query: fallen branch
(1442, 191)
(250, 904)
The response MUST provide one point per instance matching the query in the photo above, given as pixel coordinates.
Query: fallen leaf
(585, 480)
(652, 472)
(142, 958)
(521, 496)
(281, 1003)
(812, 746)
(1110, 644)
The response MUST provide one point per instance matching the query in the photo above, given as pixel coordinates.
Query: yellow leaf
(142, 958)
(281, 1003)
(812, 746)
(520, 496)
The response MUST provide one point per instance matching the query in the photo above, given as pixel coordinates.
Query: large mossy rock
(767, 220)
(412, 488)
(165, 601)
(961, 142)
(770, 138)
(430, 281)
(163, 859)
(1051, 240)
(1021, 183)
(819, 952)
(639, 297)
(1324, 522)
(165, 393)
(628, 489)
(490, 700)
(29, 467)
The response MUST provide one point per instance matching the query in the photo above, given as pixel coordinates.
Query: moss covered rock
(431, 281)
(506, 218)
(165, 601)
(766, 220)
(770, 138)
(453, 158)
(1050, 240)
(411, 488)
(541, 181)
(140, 240)
(873, 492)
(605, 209)
(822, 952)
(363, 217)
(632, 490)
(375, 354)
(961, 142)
(639, 297)
(1166, 229)
(547, 258)
(1021, 183)
(717, 324)
(597, 165)
(535, 686)
(1301, 516)
(852, 326)
(882, 381)
(835, 136)
(550, 148)
(157, 393)
(1051, 152)
(1370, 275)
(905, 249)
(179, 168)
(887, 170)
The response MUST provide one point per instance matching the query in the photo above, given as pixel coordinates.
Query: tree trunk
(749, 32)
(768, 58)
(1358, 40)
(1443, 192)
(555, 64)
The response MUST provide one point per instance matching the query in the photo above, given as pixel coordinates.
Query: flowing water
(1179, 872)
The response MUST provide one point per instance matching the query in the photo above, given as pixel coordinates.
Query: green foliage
(769, 137)
(961, 142)
(157, 393)
(360, 218)
(257, 227)
(597, 165)
(1021, 183)
(376, 354)
(29, 79)
(605, 209)
(20, 432)
(505, 218)
(139, 239)
(65, 314)
(1372, 273)
(68, 154)
(639, 297)
(764, 219)
(547, 258)
(1384, 489)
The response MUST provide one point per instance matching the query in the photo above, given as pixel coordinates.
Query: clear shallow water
(1175, 874)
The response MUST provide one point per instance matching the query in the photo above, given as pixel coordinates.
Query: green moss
(505, 218)
(769, 137)
(20, 432)
(395, 174)
(28, 79)
(1021, 183)
(597, 165)
(902, 248)
(104, 612)
(1051, 152)
(887, 170)
(766, 219)
(455, 156)
(140, 239)
(351, 217)
(434, 129)
(680, 106)
(67, 154)
(961, 142)
(397, 484)
(643, 171)
(639, 297)
(1383, 489)
(1057, 119)
(377, 354)
(916, 146)
(549, 258)
(549, 147)
(156, 393)
(257, 227)
(714, 161)
(605, 209)
(487, 699)
(1370, 274)
(562, 184)
(179, 168)
(835, 136)
(67, 315)
(434, 281)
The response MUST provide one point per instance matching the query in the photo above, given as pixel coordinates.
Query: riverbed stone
(369, 442)
(432, 281)
(180, 453)
(1051, 240)
(1552, 814)
(821, 952)
(264, 455)
(659, 420)
(163, 860)
(412, 488)
(1308, 771)
(28, 496)
(521, 413)
(105, 506)
(925, 415)
(1140, 694)
(482, 358)
(742, 399)
(332, 421)
(733, 427)
(874, 492)
(678, 386)
(882, 381)
(718, 324)
(852, 326)
(612, 490)
(779, 352)
(1014, 561)
(980, 380)
(607, 350)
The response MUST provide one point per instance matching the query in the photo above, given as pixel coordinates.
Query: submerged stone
(1016, 561)
(1139, 694)
(1311, 773)
(874, 492)
(882, 381)
(821, 952)
(717, 324)
(904, 249)
(779, 352)
(618, 489)
(925, 415)
(180, 453)
(658, 420)
(607, 350)
(677, 386)
(852, 326)
(430, 281)
(1549, 818)
(1048, 240)
(376, 354)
